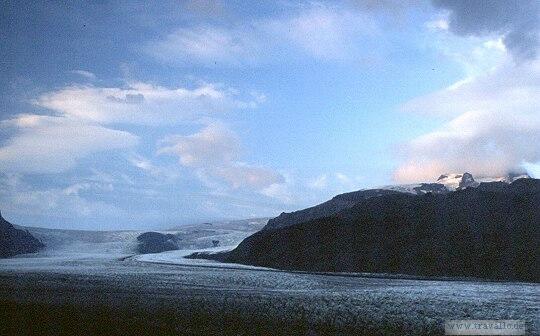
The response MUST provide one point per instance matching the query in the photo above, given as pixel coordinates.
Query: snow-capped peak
(457, 181)
(451, 182)
(465, 180)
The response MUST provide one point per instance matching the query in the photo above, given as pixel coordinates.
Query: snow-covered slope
(452, 182)
(457, 181)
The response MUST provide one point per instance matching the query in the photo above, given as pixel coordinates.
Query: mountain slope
(444, 184)
(15, 241)
(491, 231)
(328, 208)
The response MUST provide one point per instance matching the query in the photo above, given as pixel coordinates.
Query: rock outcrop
(155, 242)
(15, 241)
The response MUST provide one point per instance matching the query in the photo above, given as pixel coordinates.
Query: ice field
(96, 269)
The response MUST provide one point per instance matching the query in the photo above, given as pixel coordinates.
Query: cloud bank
(48, 144)
(493, 129)
(143, 103)
(83, 114)
(518, 21)
(316, 31)
(492, 121)
(87, 120)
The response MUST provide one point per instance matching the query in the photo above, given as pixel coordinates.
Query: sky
(134, 114)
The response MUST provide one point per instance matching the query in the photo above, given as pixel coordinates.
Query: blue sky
(119, 115)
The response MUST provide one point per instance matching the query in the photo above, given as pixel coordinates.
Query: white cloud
(213, 145)
(81, 127)
(335, 183)
(241, 175)
(348, 183)
(508, 88)
(85, 74)
(493, 128)
(167, 173)
(318, 31)
(46, 144)
(208, 45)
(476, 54)
(323, 32)
(281, 192)
(483, 143)
(52, 144)
(438, 24)
(320, 182)
(18, 196)
(142, 103)
(213, 153)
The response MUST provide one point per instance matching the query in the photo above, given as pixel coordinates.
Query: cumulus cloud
(493, 127)
(48, 144)
(213, 145)
(518, 21)
(214, 153)
(142, 103)
(319, 31)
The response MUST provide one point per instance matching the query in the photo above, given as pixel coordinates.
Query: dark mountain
(444, 184)
(155, 242)
(491, 231)
(16, 241)
(347, 200)
(328, 208)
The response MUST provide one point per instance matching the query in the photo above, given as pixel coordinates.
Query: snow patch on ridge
(451, 182)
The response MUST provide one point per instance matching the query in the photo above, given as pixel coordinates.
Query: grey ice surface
(69, 272)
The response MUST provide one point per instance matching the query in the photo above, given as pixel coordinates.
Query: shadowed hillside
(16, 241)
(491, 231)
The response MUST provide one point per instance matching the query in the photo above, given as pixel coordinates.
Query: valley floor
(117, 294)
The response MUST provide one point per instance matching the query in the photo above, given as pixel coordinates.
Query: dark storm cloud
(517, 20)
